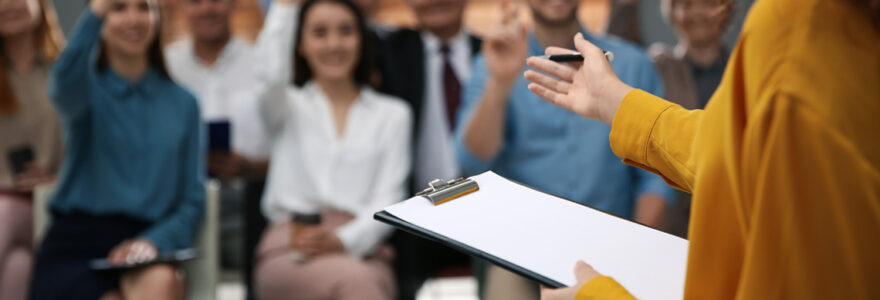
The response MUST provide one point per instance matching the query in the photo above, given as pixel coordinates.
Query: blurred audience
(131, 185)
(426, 67)
(30, 39)
(623, 20)
(692, 70)
(508, 129)
(340, 150)
(220, 70)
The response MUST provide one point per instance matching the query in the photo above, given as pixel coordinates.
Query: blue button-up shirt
(561, 152)
(133, 148)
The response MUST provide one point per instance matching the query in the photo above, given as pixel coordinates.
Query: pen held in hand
(575, 57)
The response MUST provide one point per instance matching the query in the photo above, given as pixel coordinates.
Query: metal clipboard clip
(441, 191)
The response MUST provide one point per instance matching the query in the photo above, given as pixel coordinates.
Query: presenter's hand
(589, 88)
(133, 251)
(583, 272)
(506, 46)
(316, 240)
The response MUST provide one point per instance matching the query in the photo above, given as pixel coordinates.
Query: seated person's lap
(339, 275)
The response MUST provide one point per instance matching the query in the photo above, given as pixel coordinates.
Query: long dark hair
(155, 58)
(302, 71)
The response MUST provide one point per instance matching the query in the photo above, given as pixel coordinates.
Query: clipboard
(390, 219)
(439, 192)
(646, 254)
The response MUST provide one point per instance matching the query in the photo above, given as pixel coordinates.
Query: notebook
(541, 236)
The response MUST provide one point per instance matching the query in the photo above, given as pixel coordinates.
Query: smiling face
(437, 15)
(554, 12)
(331, 41)
(130, 27)
(208, 19)
(18, 16)
(698, 21)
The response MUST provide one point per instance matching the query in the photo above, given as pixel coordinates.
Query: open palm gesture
(589, 88)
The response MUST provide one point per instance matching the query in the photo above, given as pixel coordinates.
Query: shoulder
(660, 52)
(402, 40)
(177, 50)
(664, 57)
(392, 108)
(186, 99)
(623, 50)
(403, 34)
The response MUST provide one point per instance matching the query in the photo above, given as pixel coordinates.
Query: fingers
(584, 272)
(587, 49)
(117, 255)
(509, 14)
(549, 95)
(561, 71)
(554, 294)
(140, 251)
(553, 84)
(557, 50)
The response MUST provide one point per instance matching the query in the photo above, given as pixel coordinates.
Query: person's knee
(19, 261)
(357, 279)
(154, 282)
(15, 223)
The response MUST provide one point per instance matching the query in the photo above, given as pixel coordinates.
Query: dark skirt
(62, 268)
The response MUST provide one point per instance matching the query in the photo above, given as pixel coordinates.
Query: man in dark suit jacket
(427, 68)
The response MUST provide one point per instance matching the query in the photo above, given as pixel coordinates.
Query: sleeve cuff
(279, 14)
(603, 287)
(360, 240)
(162, 244)
(633, 123)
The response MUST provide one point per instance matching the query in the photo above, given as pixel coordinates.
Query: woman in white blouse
(339, 149)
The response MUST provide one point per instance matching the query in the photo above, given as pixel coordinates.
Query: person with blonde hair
(30, 146)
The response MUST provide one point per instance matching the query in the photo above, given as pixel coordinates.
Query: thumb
(583, 46)
(583, 271)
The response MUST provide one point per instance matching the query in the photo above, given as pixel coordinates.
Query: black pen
(574, 57)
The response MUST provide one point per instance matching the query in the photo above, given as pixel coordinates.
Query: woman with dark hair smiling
(131, 185)
(341, 152)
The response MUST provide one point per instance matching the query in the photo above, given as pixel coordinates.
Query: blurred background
(478, 15)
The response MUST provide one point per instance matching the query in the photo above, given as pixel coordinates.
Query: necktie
(451, 88)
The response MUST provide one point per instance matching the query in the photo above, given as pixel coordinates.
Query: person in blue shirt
(508, 129)
(132, 181)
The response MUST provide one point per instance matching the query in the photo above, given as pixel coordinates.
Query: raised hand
(506, 47)
(589, 88)
(101, 7)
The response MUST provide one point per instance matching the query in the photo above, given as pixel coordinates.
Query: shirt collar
(121, 87)
(365, 95)
(536, 48)
(230, 50)
(432, 42)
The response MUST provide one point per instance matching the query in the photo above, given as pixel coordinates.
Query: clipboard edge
(387, 218)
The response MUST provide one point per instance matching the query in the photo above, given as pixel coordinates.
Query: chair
(202, 272)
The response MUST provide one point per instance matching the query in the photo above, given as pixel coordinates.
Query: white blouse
(359, 172)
